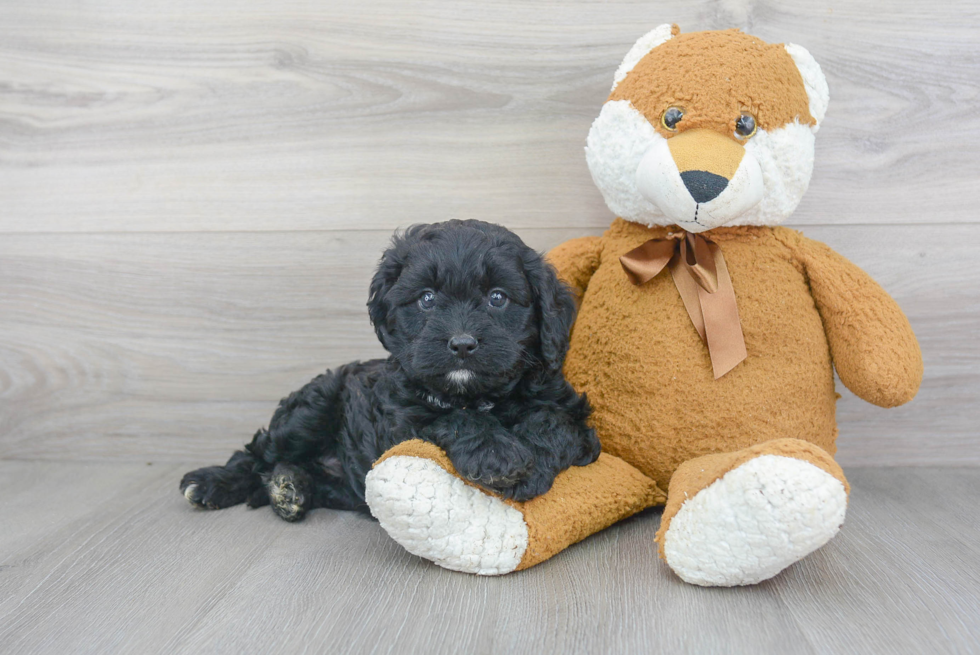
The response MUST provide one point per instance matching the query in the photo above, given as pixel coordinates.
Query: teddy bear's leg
(419, 500)
(740, 518)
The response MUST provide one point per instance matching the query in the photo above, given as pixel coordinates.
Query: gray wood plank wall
(192, 195)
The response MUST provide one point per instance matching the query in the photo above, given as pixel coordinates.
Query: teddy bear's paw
(754, 521)
(439, 517)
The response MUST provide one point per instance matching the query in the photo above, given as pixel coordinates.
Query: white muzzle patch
(459, 377)
(659, 181)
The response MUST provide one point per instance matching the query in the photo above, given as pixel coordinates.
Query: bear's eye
(745, 126)
(497, 298)
(671, 118)
(428, 299)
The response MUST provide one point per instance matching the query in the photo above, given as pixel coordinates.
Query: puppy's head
(467, 309)
(708, 129)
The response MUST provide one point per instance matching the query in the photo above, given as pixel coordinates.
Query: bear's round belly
(648, 376)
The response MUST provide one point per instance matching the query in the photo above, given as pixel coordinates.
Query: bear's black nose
(463, 345)
(704, 186)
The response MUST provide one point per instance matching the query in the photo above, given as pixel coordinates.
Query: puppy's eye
(671, 118)
(745, 126)
(497, 298)
(428, 299)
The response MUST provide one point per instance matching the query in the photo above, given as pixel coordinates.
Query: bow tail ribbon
(702, 280)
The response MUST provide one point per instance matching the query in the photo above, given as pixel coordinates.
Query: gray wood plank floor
(109, 558)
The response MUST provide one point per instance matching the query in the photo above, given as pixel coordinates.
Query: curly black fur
(477, 325)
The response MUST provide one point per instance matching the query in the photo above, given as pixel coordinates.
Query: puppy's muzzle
(463, 345)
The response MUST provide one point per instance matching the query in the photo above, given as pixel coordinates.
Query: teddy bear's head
(707, 129)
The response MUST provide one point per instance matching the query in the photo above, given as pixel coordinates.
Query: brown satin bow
(702, 279)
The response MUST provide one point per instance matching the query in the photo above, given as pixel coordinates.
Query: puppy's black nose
(463, 345)
(704, 186)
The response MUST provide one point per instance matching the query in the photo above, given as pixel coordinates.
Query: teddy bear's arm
(874, 349)
(576, 260)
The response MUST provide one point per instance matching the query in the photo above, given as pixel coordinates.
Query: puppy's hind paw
(198, 489)
(215, 487)
(194, 496)
(289, 492)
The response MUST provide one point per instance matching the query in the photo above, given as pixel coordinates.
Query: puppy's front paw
(533, 486)
(590, 449)
(497, 467)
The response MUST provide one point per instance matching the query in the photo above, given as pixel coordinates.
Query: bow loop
(645, 262)
(700, 261)
(702, 280)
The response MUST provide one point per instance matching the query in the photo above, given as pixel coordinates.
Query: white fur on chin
(460, 376)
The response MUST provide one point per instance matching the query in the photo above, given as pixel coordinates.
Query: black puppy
(477, 325)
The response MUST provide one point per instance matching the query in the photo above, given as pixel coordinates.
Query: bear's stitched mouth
(697, 208)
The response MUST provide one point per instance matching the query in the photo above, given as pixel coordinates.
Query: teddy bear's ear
(813, 80)
(645, 44)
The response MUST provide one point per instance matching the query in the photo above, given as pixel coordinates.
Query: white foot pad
(754, 521)
(439, 517)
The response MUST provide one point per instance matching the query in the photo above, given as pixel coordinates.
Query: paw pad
(287, 502)
(437, 516)
(754, 521)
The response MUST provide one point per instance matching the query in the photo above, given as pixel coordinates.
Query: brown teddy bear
(706, 337)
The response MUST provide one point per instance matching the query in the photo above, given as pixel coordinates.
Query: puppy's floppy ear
(389, 268)
(555, 309)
